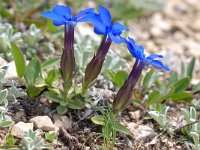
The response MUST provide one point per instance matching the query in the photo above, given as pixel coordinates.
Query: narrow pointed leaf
(99, 120)
(153, 97)
(120, 128)
(20, 62)
(6, 123)
(49, 63)
(33, 71)
(173, 79)
(181, 85)
(190, 68)
(184, 96)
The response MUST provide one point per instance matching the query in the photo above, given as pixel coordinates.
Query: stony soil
(174, 32)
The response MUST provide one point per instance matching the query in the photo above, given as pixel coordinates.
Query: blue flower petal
(132, 47)
(116, 39)
(58, 22)
(131, 40)
(99, 27)
(85, 15)
(153, 56)
(123, 39)
(140, 51)
(63, 11)
(159, 65)
(132, 50)
(105, 16)
(117, 28)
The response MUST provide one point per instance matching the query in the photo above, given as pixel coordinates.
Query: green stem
(66, 88)
(84, 89)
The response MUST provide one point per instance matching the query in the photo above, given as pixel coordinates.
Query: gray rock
(142, 132)
(43, 122)
(145, 133)
(19, 129)
(62, 122)
(20, 115)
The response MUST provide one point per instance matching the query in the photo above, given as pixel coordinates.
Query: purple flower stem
(67, 59)
(94, 67)
(123, 97)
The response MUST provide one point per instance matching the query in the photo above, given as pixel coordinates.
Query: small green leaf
(181, 85)
(196, 88)
(163, 87)
(53, 96)
(186, 114)
(50, 136)
(118, 78)
(10, 140)
(98, 119)
(76, 104)
(52, 76)
(19, 59)
(33, 71)
(184, 96)
(3, 95)
(49, 63)
(173, 79)
(153, 97)
(190, 67)
(147, 80)
(195, 137)
(3, 71)
(183, 69)
(61, 109)
(111, 74)
(193, 113)
(6, 123)
(155, 115)
(33, 91)
(120, 128)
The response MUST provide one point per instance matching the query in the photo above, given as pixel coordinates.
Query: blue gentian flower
(138, 52)
(62, 15)
(103, 25)
(112, 32)
(123, 97)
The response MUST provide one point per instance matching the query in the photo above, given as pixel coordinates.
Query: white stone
(11, 73)
(19, 129)
(43, 122)
(135, 115)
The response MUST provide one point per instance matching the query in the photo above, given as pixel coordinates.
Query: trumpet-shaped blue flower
(62, 15)
(138, 52)
(125, 93)
(103, 25)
